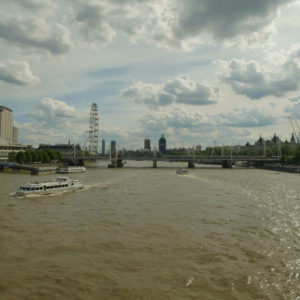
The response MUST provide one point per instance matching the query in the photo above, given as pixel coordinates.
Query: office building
(103, 147)
(162, 144)
(15, 135)
(147, 144)
(113, 147)
(6, 126)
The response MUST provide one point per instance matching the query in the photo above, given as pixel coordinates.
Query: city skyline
(198, 72)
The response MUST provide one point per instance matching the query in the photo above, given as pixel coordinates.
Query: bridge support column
(120, 163)
(154, 164)
(191, 164)
(80, 162)
(227, 164)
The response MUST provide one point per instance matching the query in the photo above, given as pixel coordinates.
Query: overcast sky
(199, 71)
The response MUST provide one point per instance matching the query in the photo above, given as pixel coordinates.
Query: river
(144, 233)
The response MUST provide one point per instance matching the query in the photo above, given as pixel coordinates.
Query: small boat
(182, 171)
(64, 170)
(61, 184)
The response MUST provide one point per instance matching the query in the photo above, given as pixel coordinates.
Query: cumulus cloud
(251, 79)
(35, 33)
(93, 23)
(53, 113)
(293, 109)
(225, 19)
(245, 118)
(18, 73)
(182, 126)
(31, 5)
(182, 118)
(179, 90)
(179, 24)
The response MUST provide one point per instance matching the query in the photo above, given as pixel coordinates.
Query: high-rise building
(113, 147)
(147, 144)
(15, 135)
(103, 147)
(162, 144)
(6, 125)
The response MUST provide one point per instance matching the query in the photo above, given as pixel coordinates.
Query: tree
(12, 156)
(39, 157)
(296, 157)
(46, 158)
(34, 155)
(28, 157)
(58, 155)
(20, 157)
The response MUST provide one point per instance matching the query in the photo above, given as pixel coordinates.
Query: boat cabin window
(27, 189)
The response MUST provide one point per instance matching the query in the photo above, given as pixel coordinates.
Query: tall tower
(94, 130)
(147, 144)
(103, 147)
(113, 147)
(6, 125)
(162, 144)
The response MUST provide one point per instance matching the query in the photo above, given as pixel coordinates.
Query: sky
(201, 72)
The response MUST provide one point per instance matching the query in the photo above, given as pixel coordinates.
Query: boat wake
(98, 185)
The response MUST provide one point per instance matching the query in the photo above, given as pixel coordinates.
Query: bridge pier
(227, 164)
(191, 164)
(154, 164)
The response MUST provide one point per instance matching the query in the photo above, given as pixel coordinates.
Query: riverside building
(147, 144)
(162, 144)
(8, 134)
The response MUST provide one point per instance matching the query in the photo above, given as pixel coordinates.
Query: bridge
(225, 160)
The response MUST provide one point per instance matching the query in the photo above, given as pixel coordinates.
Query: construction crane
(294, 125)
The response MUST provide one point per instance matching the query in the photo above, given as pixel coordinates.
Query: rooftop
(5, 108)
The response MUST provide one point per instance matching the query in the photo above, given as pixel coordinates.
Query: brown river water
(143, 233)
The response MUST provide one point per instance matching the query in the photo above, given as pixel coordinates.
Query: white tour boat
(182, 171)
(48, 187)
(71, 170)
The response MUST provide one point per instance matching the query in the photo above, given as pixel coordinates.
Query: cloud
(35, 33)
(54, 121)
(31, 5)
(251, 79)
(93, 24)
(184, 127)
(245, 118)
(18, 73)
(225, 19)
(178, 24)
(293, 108)
(182, 118)
(52, 113)
(181, 90)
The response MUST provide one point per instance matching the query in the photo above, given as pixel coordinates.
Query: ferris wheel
(94, 130)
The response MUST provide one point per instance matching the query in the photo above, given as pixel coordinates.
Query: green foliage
(28, 157)
(296, 157)
(46, 158)
(34, 156)
(12, 156)
(20, 157)
(58, 155)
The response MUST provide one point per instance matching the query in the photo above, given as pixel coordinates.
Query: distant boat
(49, 187)
(182, 171)
(64, 170)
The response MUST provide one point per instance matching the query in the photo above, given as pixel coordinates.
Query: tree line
(288, 155)
(31, 156)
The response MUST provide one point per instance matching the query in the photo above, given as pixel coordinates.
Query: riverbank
(282, 168)
(34, 169)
